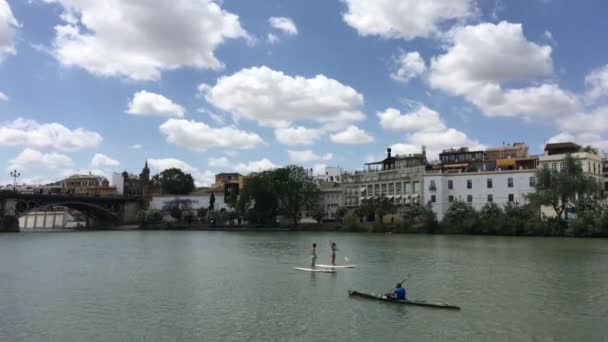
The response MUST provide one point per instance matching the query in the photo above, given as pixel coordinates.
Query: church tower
(144, 178)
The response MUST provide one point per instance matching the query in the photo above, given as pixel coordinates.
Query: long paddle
(401, 282)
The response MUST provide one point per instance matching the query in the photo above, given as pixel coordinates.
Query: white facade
(477, 188)
(196, 202)
(590, 162)
(331, 200)
(330, 174)
(119, 182)
(48, 220)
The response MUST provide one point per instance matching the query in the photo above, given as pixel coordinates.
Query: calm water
(213, 286)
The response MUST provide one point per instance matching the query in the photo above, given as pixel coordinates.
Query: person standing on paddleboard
(334, 249)
(313, 254)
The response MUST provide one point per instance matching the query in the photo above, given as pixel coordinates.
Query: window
(377, 189)
(470, 198)
(398, 189)
(489, 183)
(432, 186)
(450, 184)
(490, 198)
(510, 182)
(532, 182)
(511, 198)
(370, 190)
(561, 165)
(391, 189)
(450, 198)
(384, 189)
(554, 166)
(408, 187)
(469, 184)
(433, 199)
(416, 187)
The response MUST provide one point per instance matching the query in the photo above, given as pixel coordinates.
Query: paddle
(401, 282)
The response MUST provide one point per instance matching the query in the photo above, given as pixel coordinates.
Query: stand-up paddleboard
(322, 270)
(337, 266)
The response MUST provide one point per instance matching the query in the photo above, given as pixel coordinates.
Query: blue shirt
(399, 293)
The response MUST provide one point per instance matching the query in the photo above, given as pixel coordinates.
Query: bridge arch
(95, 212)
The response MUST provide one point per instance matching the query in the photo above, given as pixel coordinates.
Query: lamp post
(15, 174)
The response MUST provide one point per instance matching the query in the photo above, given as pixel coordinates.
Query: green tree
(460, 217)
(202, 214)
(384, 206)
(341, 213)
(176, 182)
(257, 202)
(561, 189)
(491, 218)
(419, 219)
(366, 209)
(318, 213)
(295, 191)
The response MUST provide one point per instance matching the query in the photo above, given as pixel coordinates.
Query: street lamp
(15, 174)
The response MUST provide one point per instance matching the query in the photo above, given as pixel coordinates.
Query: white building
(477, 188)
(61, 218)
(195, 202)
(331, 174)
(331, 199)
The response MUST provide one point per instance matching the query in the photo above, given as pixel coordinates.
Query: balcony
(432, 187)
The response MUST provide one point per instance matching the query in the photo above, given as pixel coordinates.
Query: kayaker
(313, 254)
(334, 248)
(398, 293)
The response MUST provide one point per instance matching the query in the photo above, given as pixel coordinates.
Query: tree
(383, 206)
(366, 209)
(318, 213)
(295, 191)
(419, 219)
(176, 182)
(177, 207)
(460, 217)
(561, 189)
(490, 219)
(211, 201)
(202, 214)
(257, 202)
(341, 213)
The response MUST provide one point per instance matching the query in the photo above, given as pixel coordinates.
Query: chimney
(388, 151)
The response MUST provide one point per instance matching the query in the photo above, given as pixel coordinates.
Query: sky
(221, 86)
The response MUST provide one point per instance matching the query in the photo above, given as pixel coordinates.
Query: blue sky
(245, 85)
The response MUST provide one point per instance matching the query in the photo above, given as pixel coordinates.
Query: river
(224, 286)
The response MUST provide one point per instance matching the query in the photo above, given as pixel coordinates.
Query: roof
(561, 145)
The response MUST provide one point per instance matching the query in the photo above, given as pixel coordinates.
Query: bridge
(103, 211)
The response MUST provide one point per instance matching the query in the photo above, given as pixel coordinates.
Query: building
(589, 159)
(398, 178)
(605, 171)
(514, 151)
(229, 184)
(53, 218)
(331, 199)
(330, 174)
(88, 185)
(194, 202)
(477, 188)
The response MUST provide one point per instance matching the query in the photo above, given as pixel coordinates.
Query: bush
(460, 218)
(188, 217)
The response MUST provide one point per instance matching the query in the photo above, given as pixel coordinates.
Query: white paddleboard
(314, 270)
(337, 266)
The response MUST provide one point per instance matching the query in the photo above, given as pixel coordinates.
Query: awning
(505, 162)
(454, 166)
(390, 196)
(416, 195)
(406, 196)
(362, 189)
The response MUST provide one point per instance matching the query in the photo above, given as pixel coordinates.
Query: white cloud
(200, 137)
(136, 147)
(200, 178)
(584, 139)
(146, 103)
(481, 59)
(30, 133)
(405, 19)
(221, 162)
(275, 99)
(409, 65)
(217, 118)
(307, 156)
(424, 127)
(286, 25)
(31, 160)
(8, 26)
(272, 38)
(597, 84)
(298, 135)
(3, 97)
(420, 119)
(595, 121)
(255, 166)
(352, 135)
(104, 162)
(140, 39)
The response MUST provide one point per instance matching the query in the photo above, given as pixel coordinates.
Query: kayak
(399, 301)
(337, 266)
